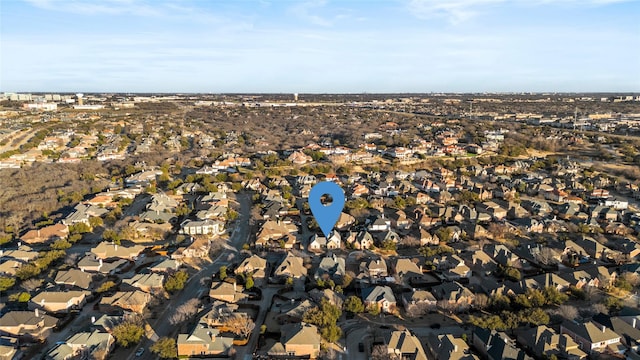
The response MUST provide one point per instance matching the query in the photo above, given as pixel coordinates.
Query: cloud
(458, 11)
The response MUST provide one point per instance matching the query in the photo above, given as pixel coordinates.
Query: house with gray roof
(592, 337)
(74, 278)
(381, 296)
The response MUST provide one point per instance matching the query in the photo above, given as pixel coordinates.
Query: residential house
(134, 301)
(165, 265)
(91, 263)
(448, 347)
(204, 341)
(106, 250)
(363, 240)
(253, 265)
(345, 221)
(331, 267)
(291, 267)
(404, 344)
(630, 334)
(46, 234)
(59, 301)
(544, 342)
(452, 267)
(593, 338)
(94, 345)
(202, 227)
(74, 278)
(150, 283)
(198, 248)
(407, 270)
(495, 345)
(380, 296)
(27, 325)
(228, 292)
(418, 301)
(453, 295)
(298, 340)
(374, 269)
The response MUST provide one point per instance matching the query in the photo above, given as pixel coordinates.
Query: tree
(554, 297)
(331, 333)
(568, 312)
(165, 348)
(381, 352)
(106, 286)
(128, 333)
(185, 311)
(95, 221)
(538, 317)
(31, 284)
(60, 244)
(6, 283)
(241, 325)
(176, 282)
(353, 304)
(248, 284)
(223, 272)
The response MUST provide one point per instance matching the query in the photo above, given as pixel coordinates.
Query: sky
(319, 46)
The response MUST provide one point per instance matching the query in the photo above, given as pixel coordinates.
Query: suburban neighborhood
(175, 226)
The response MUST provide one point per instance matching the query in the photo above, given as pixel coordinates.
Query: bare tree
(240, 325)
(185, 311)
(419, 309)
(568, 312)
(546, 256)
(600, 308)
(481, 301)
(31, 284)
(381, 352)
(71, 259)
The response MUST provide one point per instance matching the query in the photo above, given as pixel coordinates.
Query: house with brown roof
(228, 292)
(106, 250)
(59, 301)
(300, 340)
(543, 342)
(46, 234)
(291, 266)
(134, 301)
(203, 340)
(405, 345)
(27, 325)
(74, 278)
(150, 283)
(593, 338)
(254, 265)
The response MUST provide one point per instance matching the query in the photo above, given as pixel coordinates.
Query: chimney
(633, 323)
(235, 288)
(93, 319)
(603, 328)
(455, 348)
(37, 313)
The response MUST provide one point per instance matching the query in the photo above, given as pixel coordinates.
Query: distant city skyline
(259, 46)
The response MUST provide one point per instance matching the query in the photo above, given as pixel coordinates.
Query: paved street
(161, 325)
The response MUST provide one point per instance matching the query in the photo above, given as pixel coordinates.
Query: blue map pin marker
(326, 215)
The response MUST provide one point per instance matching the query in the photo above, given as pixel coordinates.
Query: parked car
(139, 352)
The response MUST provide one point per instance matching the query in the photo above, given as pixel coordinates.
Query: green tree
(223, 272)
(249, 283)
(165, 348)
(353, 304)
(128, 333)
(60, 244)
(176, 282)
(6, 283)
(554, 297)
(106, 286)
(537, 317)
(95, 221)
(331, 333)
